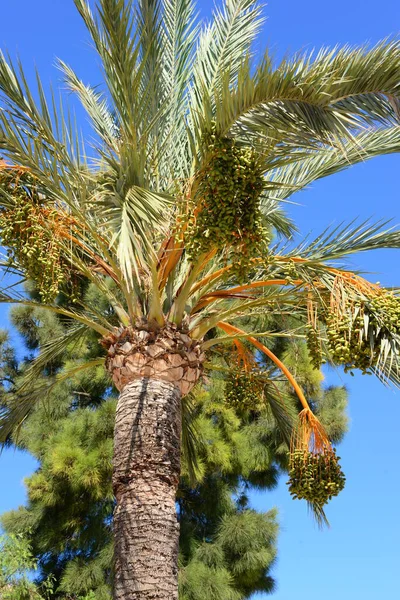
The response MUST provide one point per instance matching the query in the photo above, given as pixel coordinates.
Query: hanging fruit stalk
(243, 390)
(358, 321)
(225, 211)
(356, 335)
(31, 231)
(314, 471)
(244, 383)
(312, 337)
(41, 236)
(315, 474)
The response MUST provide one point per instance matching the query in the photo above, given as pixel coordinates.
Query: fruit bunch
(227, 215)
(386, 307)
(346, 343)
(314, 348)
(243, 390)
(289, 271)
(349, 338)
(315, 477)
(28, 230)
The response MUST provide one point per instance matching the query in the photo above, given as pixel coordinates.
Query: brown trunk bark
(145, 478)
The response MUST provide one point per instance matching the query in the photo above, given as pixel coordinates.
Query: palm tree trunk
(146, 473)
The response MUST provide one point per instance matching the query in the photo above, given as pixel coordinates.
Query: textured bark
(147, 350)
(145, 478)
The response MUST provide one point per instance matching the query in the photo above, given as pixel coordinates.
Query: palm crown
(172, 212)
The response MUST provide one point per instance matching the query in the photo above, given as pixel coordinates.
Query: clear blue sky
(359, 556)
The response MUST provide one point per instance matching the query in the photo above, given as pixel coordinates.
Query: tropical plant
(171, 217)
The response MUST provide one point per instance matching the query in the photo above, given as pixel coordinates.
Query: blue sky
(359, 556)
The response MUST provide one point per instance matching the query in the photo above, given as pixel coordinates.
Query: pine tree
(226, 548)
(15, 559)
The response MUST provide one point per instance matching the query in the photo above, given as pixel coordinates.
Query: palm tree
(170, 216)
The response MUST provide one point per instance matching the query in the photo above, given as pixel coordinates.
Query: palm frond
(132, 215)
(299, 172)
(80, 317)
(128, 42)
(38, 138)
(282, 411)
(51, 352)
(324, 98)
(180, 32)
(340, 241)
(112, 31)
(102, 119)
(275, 216)
(221, 47)
(149, 31)
(388, 375)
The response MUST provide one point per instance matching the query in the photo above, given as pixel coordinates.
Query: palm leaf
(323, 98)
(102, 119)
(343, 240)
(180, 32)
(42, 140)
(221, 47)
(80, 317)
(299, 172)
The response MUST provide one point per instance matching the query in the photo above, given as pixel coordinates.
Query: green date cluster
(355, 342)
(314, 348)
(228, 216)
(354, 338)
(315, 477)
(243, 390)
(29, 237)
(346, 342)
(387, 306)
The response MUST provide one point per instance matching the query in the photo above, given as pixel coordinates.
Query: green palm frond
(323, 98)
(180, 34)
(221, 48)
(180, 31)
(223, 44)
(127, 41)
(40, 138)
(275, 216)
(340, 241)
(88, 320)
(387, 375)
(299, 172)
(52, 352)
(113, 34)
(132, 215)
(282, 411)
(101, 118)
